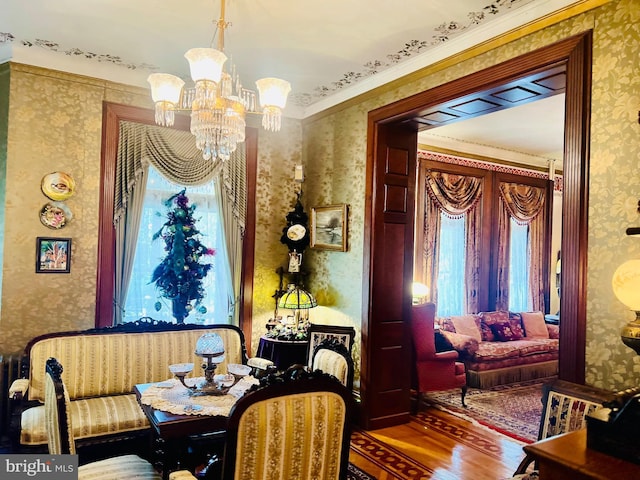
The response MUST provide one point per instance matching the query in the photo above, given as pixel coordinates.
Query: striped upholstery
(333, 363)
(114, 363)
(59, 423)
(118, 468)
(101, 371)
(293, 437)
(90, 418)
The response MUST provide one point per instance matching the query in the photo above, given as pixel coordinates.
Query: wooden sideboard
(567, 457)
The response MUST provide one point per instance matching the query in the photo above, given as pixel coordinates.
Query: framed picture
(53, 255)
(329, 227)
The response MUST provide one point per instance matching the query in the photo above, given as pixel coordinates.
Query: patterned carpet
(513, 410)
(354, 473)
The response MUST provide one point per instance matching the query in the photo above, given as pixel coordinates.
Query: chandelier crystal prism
(218, 102)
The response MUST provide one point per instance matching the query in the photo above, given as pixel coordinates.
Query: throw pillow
(487, 333)
(534, 325)
(464, 344)
(489, 318)
(466, 325)
(506, 331)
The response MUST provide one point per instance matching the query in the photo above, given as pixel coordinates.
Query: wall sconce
(634, 230)
(626, 287)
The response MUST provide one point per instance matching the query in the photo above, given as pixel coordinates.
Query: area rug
(354, 473)
(513, 410)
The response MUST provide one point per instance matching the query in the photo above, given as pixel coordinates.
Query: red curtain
(456, 196)
(523, 203)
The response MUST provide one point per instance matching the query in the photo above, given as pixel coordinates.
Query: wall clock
(295, 234)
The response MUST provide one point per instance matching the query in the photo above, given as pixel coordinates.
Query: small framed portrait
(329, 227)
(53, 255)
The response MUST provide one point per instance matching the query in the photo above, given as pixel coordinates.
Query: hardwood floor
(436, 445)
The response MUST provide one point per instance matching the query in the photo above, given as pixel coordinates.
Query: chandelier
(218, 102)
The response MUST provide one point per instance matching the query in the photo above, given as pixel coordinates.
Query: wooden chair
(318, 333)
(61, 442)
(331, 356)
(293, 426)
(434, 371)
(565, 406)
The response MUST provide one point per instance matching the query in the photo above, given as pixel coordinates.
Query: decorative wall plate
(58, 185)
(55, 215)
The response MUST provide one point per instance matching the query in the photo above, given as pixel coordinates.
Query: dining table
(187, 427)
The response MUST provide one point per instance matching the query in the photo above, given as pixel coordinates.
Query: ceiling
(330, 51)
(531, 134)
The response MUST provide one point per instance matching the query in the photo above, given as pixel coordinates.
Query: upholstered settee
(101, 368)
(502, 347)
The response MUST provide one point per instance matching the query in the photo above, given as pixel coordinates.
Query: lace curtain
(174, 155)
(456, 196)
(523, 203)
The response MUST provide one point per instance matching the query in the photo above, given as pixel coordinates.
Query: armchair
(434, 371)
(565, 406)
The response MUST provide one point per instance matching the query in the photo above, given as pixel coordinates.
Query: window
(142, 295)
(493, 255)
(451, 263)
(519, 268)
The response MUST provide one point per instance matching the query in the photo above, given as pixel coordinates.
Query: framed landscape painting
(329, 227)
(53, 255)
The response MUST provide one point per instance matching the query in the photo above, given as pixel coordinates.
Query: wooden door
(386, 341)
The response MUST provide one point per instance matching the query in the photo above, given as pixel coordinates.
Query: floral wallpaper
(614, 190)
(55, 124)
(334, 154)
(278, 154)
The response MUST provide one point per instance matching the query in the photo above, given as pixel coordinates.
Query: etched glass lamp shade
(211, 347)
(626, 287)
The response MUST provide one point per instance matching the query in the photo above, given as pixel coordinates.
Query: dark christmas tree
(180, 274)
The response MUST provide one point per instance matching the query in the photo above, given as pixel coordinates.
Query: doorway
(389, 214)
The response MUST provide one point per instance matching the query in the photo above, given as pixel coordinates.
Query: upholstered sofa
(502, 347)
(101, 367)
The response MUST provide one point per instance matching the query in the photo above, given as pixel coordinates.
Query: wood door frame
(575, 53)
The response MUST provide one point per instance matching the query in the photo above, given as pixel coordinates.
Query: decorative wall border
(496, 167)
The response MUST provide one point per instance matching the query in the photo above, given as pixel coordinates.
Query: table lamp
(297, 299)
(211, 348)
(419, 293)
(626, 287)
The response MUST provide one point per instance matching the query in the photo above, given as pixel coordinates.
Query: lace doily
(171, 396)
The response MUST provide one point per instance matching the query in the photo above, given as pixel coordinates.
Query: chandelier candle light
(218, 102)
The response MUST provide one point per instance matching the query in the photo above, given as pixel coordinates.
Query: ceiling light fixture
(218, 102)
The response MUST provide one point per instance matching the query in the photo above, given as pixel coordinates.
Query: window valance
(523, 202)
(453, 194)
(172, 152)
